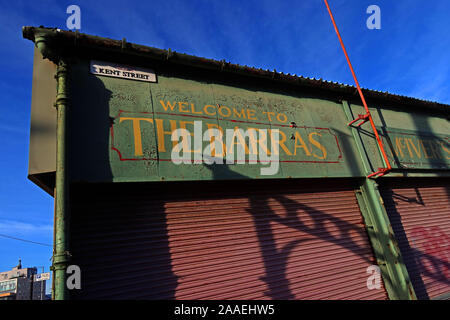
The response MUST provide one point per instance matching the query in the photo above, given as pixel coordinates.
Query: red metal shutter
(235, 240)
(419, 211)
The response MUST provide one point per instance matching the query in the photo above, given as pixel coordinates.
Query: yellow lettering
(205, 109)
(182, 106)
(281, 117)
(193, 110)
(239, 114)
(221, 112)
(213, 125)
(398, 144)
(237, 134)
(443, 143)
(191, 132)
(318, 145)
(251, 114)
(300, 144)
(136, 133)
(212, 139)
(269, 114)
(183, 125)
(258, 141)
(281, 142)
(416, 150)
(171, 106)
(427, 156)
(161, 133)
(407, 146)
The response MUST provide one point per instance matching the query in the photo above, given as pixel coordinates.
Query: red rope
(381, 171)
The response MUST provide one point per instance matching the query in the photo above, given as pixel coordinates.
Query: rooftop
(68, 41)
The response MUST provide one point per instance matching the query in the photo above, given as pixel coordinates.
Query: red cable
(380, 144)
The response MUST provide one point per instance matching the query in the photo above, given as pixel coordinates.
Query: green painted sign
(183, 128)
(152, 135)
(410, 149)
(293, 135)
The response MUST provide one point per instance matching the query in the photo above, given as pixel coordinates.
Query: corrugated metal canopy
(67, 41)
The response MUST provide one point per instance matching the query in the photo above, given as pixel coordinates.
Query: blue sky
(408, 56)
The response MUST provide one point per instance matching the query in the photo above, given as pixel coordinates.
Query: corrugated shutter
(419, 211)
(234, 240)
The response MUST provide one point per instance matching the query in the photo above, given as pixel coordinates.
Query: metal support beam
(389, 259)
(61, 255)
(381, 235)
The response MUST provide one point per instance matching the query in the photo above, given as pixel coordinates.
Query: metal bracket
(381, 172)
(363, 117)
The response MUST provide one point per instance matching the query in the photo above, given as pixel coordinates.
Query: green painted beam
(379, 229)
(386, 250)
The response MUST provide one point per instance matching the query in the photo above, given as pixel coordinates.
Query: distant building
(19, 284)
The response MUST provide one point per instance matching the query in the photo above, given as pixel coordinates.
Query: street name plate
(122, 71)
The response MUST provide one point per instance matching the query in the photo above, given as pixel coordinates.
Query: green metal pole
(61, 254)
(393, 269)
(379, 229)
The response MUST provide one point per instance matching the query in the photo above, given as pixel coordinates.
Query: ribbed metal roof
(68, 40)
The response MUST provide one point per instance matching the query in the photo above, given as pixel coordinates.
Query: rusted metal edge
(64, 41)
